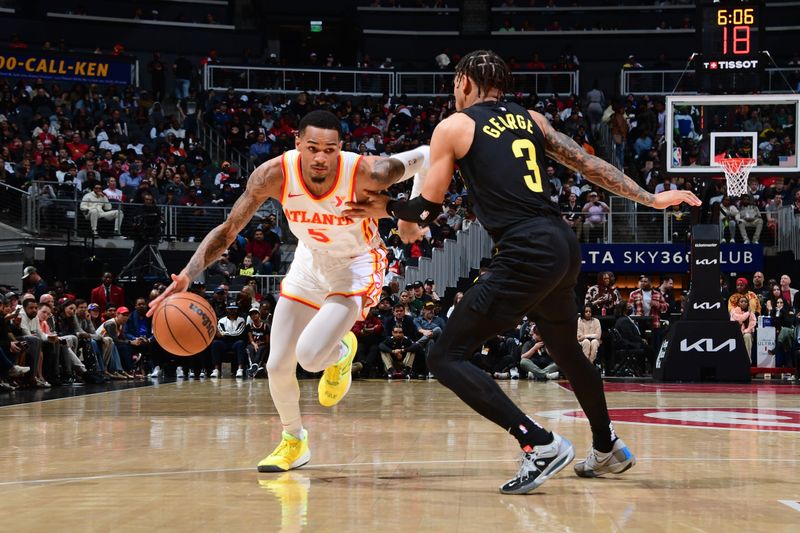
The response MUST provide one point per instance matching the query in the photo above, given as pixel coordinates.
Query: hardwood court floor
(395, 456)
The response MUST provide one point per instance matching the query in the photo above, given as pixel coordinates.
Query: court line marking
(792, 504)
(372, 463)
(560, 415)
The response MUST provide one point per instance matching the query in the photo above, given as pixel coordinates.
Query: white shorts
(313, 277)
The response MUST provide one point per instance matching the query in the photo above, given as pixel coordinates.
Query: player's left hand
(410, 232)
(372, 206)
(665, 199)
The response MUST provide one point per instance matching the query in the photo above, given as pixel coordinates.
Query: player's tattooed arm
(264, 182)
(569, 153)
(385, 172)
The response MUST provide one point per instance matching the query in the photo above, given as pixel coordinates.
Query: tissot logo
(706, 262)
(707, 345)
(706, 305)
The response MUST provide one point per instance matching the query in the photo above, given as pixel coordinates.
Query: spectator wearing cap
(742, 289)
(420, 298)
(230, 336)
(85, 327)
(32, 282)
(114, 329)
(595, 216)
(429, 327)
(430, 289)
(384, 308)
(369, 333)
(258, 331)
(223, 267)
(107, 293)
(219, 301)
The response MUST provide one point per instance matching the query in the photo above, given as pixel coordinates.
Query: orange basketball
(184, 324)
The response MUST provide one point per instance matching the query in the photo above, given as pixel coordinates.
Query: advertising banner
(636, 257)
(89, 68)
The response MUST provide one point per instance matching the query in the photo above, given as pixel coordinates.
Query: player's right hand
(665, 199)
(180, 282)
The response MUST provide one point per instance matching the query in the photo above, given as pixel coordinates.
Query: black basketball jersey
(504, 169)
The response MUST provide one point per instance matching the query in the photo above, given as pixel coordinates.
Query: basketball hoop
(737, 169)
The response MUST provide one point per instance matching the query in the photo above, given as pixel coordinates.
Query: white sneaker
(179, 373)
(531, 375)
(202, 374)
(747, 241)
(552, 375)
(191, 374)
(501, 375)
(514, 373)
(539, 465)
(156, 373)
(617, 461)
(239, 374)
(215, 374)
(17, 371)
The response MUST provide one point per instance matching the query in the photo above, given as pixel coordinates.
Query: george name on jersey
(510, 121)
(328, 219)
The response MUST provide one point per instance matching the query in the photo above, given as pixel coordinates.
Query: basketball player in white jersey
(337, 272)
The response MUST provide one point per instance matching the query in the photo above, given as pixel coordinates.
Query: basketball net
(737, 169)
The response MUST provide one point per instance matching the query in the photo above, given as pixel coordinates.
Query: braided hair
(486, 69)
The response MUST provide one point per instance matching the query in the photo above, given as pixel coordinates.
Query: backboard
(702, 129)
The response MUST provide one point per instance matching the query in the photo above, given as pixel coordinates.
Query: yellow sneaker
(290, 453)
(291, 490)
(335, 382)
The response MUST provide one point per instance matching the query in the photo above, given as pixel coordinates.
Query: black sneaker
(407, 373)
(540, 465)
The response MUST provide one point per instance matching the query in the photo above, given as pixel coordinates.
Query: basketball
(184, 324)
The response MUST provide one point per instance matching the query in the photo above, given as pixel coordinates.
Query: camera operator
(146, 224)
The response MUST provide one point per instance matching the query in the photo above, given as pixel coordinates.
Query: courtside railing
(663, 82)
(370, 82)
(289, 80)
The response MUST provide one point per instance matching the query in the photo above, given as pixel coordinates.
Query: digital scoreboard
(731, 43)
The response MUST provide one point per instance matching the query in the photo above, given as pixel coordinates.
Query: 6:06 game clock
(731, 41)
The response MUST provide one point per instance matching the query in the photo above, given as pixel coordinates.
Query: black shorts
(533, 272)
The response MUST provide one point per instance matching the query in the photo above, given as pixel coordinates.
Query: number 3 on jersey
(319, 235)
(519, 147)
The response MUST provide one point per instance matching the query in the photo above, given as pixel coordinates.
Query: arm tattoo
(218, 239)
(569, 153)
(386, 171)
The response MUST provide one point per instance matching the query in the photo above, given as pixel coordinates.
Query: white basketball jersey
(317, 221)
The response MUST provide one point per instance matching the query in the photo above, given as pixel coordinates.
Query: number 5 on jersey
(519, 147)
(319, 235)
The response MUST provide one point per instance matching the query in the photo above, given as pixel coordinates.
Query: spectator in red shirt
(264, 246)
(369, 333)
(76, 147)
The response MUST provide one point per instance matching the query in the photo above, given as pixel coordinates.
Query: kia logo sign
(706, 262)
(707, 306)
(707, 345)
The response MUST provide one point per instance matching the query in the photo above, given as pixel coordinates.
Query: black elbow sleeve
(417, 210)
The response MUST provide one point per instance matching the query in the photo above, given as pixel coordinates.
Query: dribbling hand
(665, 199)
(180, 282)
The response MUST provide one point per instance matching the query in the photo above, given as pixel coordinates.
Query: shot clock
(730, 34)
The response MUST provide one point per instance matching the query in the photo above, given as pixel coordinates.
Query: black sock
(529, 434)
(603, 442)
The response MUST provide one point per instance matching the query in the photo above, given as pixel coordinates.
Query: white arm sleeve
(414, 161)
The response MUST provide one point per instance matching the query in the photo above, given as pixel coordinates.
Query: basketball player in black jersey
(500, 148)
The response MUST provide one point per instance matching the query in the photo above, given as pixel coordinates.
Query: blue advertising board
(20, 63)
(636, 257)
